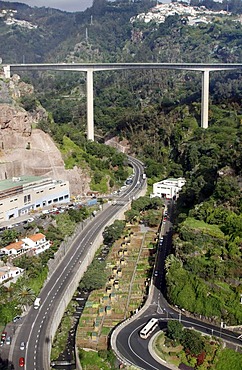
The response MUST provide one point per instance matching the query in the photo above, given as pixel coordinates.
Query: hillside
(26, 150)
(158, 115)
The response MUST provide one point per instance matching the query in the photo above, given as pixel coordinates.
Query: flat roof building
(168, 188)
(21, 195)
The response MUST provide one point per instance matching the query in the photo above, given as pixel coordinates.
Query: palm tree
(26, 296)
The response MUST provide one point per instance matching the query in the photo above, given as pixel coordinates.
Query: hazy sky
(68, 5)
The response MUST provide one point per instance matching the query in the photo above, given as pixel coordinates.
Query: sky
(67, 5)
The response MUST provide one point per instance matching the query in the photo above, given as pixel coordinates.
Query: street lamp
(179, 319)
(166, 313)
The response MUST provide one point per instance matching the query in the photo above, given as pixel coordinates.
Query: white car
(8, 340)
(22, 346)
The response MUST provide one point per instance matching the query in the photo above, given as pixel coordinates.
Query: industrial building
(22, 195)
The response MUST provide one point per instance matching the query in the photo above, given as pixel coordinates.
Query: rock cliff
(25, 150)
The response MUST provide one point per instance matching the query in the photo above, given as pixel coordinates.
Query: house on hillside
(15, 249)
(37, 243)
(168, 188)
(33, 244)
(9, 272)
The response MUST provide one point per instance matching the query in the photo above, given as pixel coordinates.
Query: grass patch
(105, 330)
(91, 361)
(72, 154)
(212, 230)
(229, 359)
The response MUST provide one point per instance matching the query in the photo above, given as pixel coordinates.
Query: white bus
(149, 328)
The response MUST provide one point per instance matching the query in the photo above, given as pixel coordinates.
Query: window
(27, 198)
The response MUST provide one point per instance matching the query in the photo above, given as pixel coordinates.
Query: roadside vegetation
(178, 345)
(17, 297)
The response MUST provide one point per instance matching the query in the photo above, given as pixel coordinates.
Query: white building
(15, 249)
(9, 272)
(37, 243)
(168, 188)
(21, 195)
(34, 244)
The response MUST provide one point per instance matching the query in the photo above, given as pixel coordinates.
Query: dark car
(21, 362)
(3, 336)
(17, 318)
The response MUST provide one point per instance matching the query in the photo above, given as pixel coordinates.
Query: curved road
(126, 342)
(35, 325)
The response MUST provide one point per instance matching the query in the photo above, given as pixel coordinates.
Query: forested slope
(158, 112)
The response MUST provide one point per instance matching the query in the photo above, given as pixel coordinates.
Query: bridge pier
(89, 68)
(205, 98)
(7, 71)
(90, 106)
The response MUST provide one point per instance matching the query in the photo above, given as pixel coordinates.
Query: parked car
(8, 340)
(3, 336)
(17, 318)
(21, 362)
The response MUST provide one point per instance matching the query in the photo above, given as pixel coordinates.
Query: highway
(128, 345)
(131, 348)
(35, 325)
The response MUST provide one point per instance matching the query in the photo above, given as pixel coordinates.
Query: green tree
(175, 330)
(95, 276)
(132, 215)
(8, 236)
(113, 232)
(26, 296)
(192, 341)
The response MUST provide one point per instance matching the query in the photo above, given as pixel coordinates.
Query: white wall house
(15, 249)
(9, 272)
(34, 244)
(168, 188)
(37, 243)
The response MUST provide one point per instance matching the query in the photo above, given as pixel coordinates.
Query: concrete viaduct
(89, 68)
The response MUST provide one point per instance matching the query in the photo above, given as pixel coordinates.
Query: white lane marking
(129, 339)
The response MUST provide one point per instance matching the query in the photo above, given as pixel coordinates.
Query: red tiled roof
(17, 245)
(36, 237)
